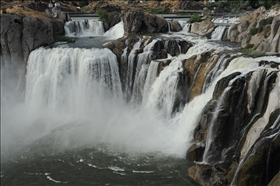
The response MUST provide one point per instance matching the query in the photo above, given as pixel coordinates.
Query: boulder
(175, 26)
(200, 173)
(140, 22)
(195, 152)
(204, 28)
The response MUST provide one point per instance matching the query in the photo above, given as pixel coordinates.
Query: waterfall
(90, 28)
(77, 93)
(216, 71)
(259, 125)
(151, 77)
(131, 65)
(186, 28)
(116, 31)
(163, 91)
(68, 78)
(84, 28)
(218, 33)
(143, 61)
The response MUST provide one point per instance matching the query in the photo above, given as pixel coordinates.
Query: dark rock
(172, 47)
(113, 19)
(175, 26)
(200, 173)
(195, 152)
(139, 22)
(19, 36)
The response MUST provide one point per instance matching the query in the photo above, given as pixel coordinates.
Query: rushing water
(78, 126)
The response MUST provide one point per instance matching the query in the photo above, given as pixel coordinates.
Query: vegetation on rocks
(103, 15)
(159, 11)
(252, 53)
(195, 18)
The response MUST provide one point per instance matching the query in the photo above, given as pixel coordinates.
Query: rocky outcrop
(133, 51)
(113, 19)
(272, 43)
(19, 36)
(196, 68)
(257, 31)
(275, 181)
(136, 22)
(174, 26)
(228, 122)
(204, 28)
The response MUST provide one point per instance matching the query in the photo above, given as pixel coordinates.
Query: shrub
(264, 22)
(253, 31)
(249, 46)
(4, 11)
(159, 11)
(252, 53)
(103, 15)
(82, 3)
(195, 18)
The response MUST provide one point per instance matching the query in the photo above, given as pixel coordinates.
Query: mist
(71, 105)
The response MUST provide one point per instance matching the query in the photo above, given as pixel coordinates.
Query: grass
(252, 53)
(195, 18)
(103, 15)
(159, 11)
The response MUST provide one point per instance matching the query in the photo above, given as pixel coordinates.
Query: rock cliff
(19, 36)
(140, 22)
(258, 30)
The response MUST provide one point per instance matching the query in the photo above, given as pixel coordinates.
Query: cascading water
(81, 125)
(218, 33)
(84, 28)
(90, 28)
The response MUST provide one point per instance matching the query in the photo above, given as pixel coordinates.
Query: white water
(90, 28)
(259, 125)
(116, 31)
(73, 97)
(162, 95)
(84, 28)
(217, 34)
(151, 77)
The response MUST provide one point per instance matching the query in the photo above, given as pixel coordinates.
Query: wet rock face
(228, 118)
(262, 167)
(140, 22)
(197, 67)
(158, 50)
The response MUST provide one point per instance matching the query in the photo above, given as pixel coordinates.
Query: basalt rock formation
(236, 139)
(142, 50)
(204, 28)
(260, 30)
(19, 36)
(139, 22)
